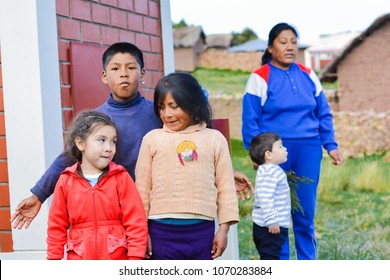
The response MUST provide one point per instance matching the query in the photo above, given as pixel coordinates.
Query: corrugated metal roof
(254, 45)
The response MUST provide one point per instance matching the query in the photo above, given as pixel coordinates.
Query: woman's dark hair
(275, 31)
(123, 47)
(260, 144)
(188, 95)
(83, 125)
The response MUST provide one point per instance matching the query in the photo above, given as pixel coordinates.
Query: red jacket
(106, 221)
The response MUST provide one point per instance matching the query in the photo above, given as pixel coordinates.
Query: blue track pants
(305, 161)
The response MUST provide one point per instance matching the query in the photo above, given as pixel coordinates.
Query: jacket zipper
(94, 220)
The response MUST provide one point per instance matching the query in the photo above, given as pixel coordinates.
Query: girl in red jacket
(96, 209)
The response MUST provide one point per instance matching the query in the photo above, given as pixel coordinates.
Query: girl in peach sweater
(184, 175)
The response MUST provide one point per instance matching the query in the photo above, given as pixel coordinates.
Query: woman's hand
(244, 186)
(337, 158)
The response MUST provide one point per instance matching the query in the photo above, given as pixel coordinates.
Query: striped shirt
(272, 197)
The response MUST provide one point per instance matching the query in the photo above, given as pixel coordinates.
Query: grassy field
(222, 81)
(353, 216)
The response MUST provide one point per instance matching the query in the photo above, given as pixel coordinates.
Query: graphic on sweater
(186, 152)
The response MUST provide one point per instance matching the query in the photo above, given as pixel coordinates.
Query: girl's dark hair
(188, 95)
(260, 144)
(123, 47)
(275, 31)
(83, 125)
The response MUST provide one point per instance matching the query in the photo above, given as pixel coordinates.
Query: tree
(246, 35)
(181, 23)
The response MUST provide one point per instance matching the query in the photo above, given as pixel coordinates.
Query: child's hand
(26, 211)
(275, 229)
(148, 254)
(220, 241)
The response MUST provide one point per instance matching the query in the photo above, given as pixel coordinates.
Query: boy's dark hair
(260, 144)
(83, 125)
(123, 47)
(188, 95)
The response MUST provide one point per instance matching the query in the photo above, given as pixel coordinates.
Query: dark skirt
(181, 242)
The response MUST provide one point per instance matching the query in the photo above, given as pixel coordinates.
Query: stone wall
(365, 132)
(357, 133)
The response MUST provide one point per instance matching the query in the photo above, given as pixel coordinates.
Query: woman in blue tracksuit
(286, 97)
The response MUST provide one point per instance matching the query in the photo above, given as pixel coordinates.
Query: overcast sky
(311, 18)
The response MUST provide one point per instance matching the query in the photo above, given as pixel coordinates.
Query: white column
(31, 87)
(167, 37)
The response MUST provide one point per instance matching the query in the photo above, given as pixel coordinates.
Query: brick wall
(245, 61)
(95, 22)
(5, 226)
(103, 23)
(358, 133)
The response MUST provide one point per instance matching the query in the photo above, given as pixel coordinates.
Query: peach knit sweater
(187, 172)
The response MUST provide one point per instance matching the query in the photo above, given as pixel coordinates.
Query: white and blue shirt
(289, 102)
(272, 197)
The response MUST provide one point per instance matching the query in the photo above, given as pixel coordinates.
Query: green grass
(353, 216)
(219, 81)
(230, 82)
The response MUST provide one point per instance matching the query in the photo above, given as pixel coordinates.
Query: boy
(123, 71)
(272, 205)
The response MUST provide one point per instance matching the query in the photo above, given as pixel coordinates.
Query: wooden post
(222, 125)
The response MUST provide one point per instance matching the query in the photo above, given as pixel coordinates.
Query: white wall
(33, 121)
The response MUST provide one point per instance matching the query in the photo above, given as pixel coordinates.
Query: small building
(362, 70)
(323, 50)
(219, 41)
(189, 42)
